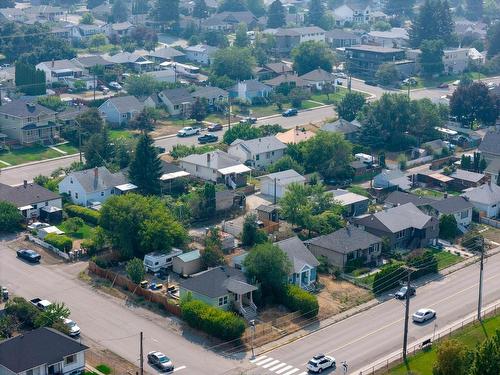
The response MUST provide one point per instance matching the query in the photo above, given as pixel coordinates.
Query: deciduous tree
(350, 105)
(311, 55)
(451, 358)
(234, 63)
(431, 58)
(10, 217)
(135, 270)
(474, 102)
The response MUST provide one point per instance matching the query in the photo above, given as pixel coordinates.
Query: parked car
(103, 88)
(207, 138)
(320, 362)
(248, 120)
(341, 75)
(456, 83)
(404, 292)
(115, 85)
(38, 225)
(409, 81)
(371, 83)
(290, 112)
(29, 255)
(423, 315)
(214, 127)
(188, 131)
(73, 329)
(160, 361)
(443, 85)
(41, 304)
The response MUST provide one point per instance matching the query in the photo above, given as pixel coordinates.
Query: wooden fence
(124, 282)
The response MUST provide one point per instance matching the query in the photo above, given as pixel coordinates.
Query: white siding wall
(205, 173)
(267, 158)
(239, 153)
(78, 364)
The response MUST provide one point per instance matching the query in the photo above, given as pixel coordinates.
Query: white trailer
(154, 262)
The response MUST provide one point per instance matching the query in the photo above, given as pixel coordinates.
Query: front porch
(32, 133)
(305, 278)
(235, 176)
(242, 294)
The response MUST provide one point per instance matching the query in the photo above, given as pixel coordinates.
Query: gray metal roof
(341, 34)
(38, 347)
(452, 205)
(486, 194)
(467, 175)
(23, 109)
(491, 143)
(297, 31)
(209, 92)
(285, 177)
(398, 198)
(105, 179)
(178, 96)
(26, 195)
(215, 159)
(298, 253)
(253, 85)
(346, 240)
(341, 126)
(318, 75)
(91, 61)
(127, 103)
(260, 145)
(166, 53)
(62, 64)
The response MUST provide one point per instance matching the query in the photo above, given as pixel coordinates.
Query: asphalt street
(366, 338)
(107, 320)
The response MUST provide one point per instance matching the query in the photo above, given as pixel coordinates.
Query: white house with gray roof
(165, 53)
(250, 89)
(459, 207)
(318, 78)
(259, 152)
(276, 184)
(57, 70)
(120, 109)
(95, 185)
(485, 198)
(200, 53)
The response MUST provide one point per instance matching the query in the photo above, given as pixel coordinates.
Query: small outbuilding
(188, 263)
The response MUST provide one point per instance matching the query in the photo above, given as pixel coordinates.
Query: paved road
(367, 337)
(105, 319)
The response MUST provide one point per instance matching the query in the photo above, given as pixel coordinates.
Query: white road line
(291, 371)
(277, 366)
(258, 358)
(303, 373)
(179, 368)
(284, 369)
(260, 363)
(270, 364)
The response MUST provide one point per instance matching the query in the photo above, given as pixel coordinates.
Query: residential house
(91, 61)
(457, 206)
(13, 15)
(275, 184)
(28, 122)
(405, 226)
(490, 145)
(187, 264)
(178, 101)
(44, 13)
(294, 136)
(95, 185)
(82, 31)
(272, 70)
(221, 287)
(217, 166)
(396, 37)
(463, 179)
(455, 60)
(288, 39)
(492, 171)
(392, 179)
(354, 204)
(352, 12)
(250, 89)
(165, 53)
(378, 15)
(259, 152)
(119, 29)
(32, 200)
(214, 96)
(485, 198)
(347, 128)
(200, 53)
(102, 12)
(346, 245)
(318, 78)
(338, 38)
(399, 198)
(292, 80)
(42, 351)
(228, 21)
(132, 60)
(59, 70)
(120, 109)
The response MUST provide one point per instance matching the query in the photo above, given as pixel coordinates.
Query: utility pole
(481, 267)
(274, 198)
(95, 67)
(79, 140)
(229, 118)
(141, 359)
(407, 310)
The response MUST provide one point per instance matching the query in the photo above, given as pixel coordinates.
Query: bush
(353, 264)
(59, 241)
(24, 312)
(89, 246)
(425, 263)
(88, 215)
(105, 369)
(135, 270)
(216, 322)
(388, 278)
(297, 299)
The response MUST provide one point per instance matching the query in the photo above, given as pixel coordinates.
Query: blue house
(120, 109)
(250, 89)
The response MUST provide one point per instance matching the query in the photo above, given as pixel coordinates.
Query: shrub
(24, 312)
(297, 299)
(59, 241)
(105, 369)
(388, 278)
(135, 270)
(88, 215)
(89, 246)
(353, 264)
(424, 262)
(216, 322)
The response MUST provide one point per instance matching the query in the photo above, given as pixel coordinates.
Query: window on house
(102, 193)
(70, 359)
(29, 372)
(221, 301)
(46, 204)
(225, 300)
(35, 206)
(257, 157)
(76, 195)
(464, 214)
(70, 180)
(400, 234)
(268, 155)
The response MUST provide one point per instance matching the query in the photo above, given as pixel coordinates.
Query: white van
(154, 262)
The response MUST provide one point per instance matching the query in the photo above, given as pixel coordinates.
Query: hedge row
(297, 299)
(59, 241)
(388, 278)
(216, 322)
(90, 216)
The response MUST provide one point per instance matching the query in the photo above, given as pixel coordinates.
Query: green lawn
(116, 134)
(434, 82)
(445, 259)
(85, 232)
(358, 190)
(27, 154)
(471, 336)
(68, 148)
(307, 104)
(430, 193)
(181, 122)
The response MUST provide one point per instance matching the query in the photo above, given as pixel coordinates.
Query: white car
(341, 75)
(187, 131)
(320, 362)
(115, 85)
(160, 361)
(73, 328)
(37, 225)
(423, 315)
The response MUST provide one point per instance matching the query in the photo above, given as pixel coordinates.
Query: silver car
(160, 361)
(423, 315)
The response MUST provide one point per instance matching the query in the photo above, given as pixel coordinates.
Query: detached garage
(279, 181)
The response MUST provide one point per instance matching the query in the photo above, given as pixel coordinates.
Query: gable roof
(462, 174)
(121, 26)
(209, 92)
(298, 253)
(487, 194)
(105, 179)
(397, 218)
(24, 108)
(340, 34)
(298, 31)
(217, 282)
(285, 177)
(252, 85)
(345, 197)
(260, 145)
(62, 64)
(166, 53)
(295, 135)
(215, 159)
(393, 33)
(125, 104)
(451, 205)
(25, 195)
(38, 347)
(341, 126)
(178, 96)
(397, 198)
(91, 61)
(279, 67)
(318, 75)
(125, 57)
(346, 240)
(287, 78)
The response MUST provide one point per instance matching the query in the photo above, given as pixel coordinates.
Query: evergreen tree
(200, 9)
(257, 7)
(431, 58)
(97, 150)
(494, 40)
(232, 6)
(399, 7)
(276, 15)
(140, 7)
(145, 168)
(199, 110)
(241, 39)
(316, 12)
(433, 21)
(207, 203)
(474, 9)
(167, 10)
(119, 11)
(30, 80)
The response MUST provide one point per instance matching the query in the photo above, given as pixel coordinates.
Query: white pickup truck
(187, 131)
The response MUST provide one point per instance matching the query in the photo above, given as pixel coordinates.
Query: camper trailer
(154, 262)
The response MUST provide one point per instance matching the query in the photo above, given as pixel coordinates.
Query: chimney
(25, 183)
(96, 176)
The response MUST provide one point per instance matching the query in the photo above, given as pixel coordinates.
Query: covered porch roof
(239, 168)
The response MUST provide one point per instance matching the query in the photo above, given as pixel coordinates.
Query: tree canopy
(431, 59)
(10, 217)
(434, 22)
(311, 55)
(474, 102)
(145, 168)
(350, 105)
(234, 63)
(276, 15)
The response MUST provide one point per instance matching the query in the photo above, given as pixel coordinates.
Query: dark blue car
(29, 255)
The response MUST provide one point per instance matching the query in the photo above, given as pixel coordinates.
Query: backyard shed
(188, 263)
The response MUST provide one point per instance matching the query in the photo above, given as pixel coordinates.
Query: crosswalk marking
(288, 367)
(270, 364)
(277, 366)
(291, 371)
(260, 363)
(258, 358)
(303, 373)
